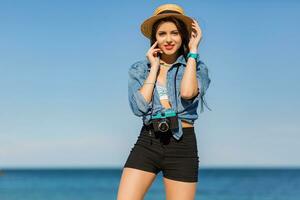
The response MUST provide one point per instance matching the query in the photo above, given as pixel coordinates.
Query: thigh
(178, 190)
(134, 184)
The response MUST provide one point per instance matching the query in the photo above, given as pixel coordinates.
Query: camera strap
(175, 89)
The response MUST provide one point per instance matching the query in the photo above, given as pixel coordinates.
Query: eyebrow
(165, 31)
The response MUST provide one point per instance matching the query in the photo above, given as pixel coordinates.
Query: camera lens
(163, 126)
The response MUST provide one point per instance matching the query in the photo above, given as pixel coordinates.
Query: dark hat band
(168, 11)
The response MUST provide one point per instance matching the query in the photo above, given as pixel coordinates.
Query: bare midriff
(166, 104)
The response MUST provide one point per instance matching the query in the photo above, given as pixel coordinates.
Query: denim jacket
(186, 109)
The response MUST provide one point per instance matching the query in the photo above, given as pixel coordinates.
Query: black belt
(164, 137)
(148, 127)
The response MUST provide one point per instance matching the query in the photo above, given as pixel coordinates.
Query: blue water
(92, 184)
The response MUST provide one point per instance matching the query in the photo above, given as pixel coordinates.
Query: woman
(171, 80)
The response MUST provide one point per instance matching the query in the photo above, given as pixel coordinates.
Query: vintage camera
(165, 120)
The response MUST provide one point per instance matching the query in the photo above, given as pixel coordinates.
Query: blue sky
(63, 82)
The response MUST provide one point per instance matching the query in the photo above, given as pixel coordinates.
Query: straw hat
(163, 11)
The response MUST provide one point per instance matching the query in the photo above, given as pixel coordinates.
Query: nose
(168, 39)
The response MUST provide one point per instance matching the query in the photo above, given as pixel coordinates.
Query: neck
(169, 59)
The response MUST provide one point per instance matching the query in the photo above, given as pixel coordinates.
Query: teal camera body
(165, 120)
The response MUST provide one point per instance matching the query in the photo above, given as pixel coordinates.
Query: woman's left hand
(195, 37)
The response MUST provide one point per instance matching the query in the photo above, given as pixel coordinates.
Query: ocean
(102, 184)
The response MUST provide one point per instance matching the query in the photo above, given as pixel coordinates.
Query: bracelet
(149, 83)
(193, 55)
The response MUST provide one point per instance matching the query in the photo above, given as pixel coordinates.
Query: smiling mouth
(169, 47)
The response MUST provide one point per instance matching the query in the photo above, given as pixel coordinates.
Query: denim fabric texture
(186, 109)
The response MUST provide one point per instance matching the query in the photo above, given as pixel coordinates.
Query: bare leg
(134, 184)
(178, 190)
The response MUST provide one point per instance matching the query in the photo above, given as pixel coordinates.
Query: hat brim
(146, 27)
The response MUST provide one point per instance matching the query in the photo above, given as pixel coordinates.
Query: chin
(170, 52)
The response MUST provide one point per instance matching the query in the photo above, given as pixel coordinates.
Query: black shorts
(157, 151)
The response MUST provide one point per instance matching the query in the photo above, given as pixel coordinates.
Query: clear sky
(64, 70)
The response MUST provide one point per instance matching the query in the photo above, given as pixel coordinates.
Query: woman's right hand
(152, 55)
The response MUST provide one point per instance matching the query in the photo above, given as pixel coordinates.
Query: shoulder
(139, 66)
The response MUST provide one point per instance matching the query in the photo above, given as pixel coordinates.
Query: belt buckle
(150, 132)
(149, 129)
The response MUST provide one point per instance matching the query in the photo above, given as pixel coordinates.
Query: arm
(148, 86)
(203, 81)
(189, 83)
(139, 93)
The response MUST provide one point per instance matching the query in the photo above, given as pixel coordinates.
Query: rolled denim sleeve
(137, 102)
(203, 77)
(203, 82)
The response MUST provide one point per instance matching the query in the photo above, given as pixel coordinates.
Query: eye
(161, 34)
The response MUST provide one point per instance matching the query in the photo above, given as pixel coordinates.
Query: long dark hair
(184, 49)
